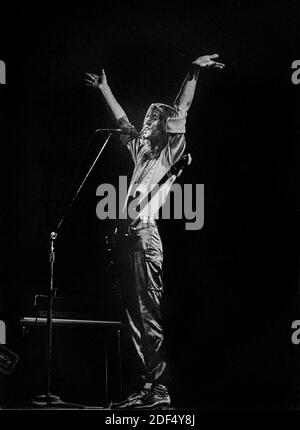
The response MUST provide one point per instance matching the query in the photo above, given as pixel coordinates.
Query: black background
(230, 288)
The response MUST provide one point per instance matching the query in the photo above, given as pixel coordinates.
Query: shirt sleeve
(175, 129)
(130, 142)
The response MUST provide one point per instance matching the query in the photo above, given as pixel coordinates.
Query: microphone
(129, 131)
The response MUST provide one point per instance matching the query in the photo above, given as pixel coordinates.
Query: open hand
(207, 61)
(95, 81)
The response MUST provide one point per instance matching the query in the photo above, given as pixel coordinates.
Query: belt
(147, 219)
(144, 220)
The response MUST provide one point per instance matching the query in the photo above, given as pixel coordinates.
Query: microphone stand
(49, 399)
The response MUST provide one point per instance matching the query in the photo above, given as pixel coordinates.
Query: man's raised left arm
(185, 96)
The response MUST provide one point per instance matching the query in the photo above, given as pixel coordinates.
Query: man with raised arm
(158, 146)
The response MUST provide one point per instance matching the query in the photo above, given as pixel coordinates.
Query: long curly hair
(166, 111)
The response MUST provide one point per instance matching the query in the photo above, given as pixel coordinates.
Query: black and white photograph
(150, 209)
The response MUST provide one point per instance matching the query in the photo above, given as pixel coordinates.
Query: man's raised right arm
(100, 82)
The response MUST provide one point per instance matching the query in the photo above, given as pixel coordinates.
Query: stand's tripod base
(51, 401)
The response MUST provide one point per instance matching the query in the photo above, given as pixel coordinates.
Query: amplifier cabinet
(86, 360)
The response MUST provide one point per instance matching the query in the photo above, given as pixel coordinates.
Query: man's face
(152, 126)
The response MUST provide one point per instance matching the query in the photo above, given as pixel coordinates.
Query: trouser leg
(142, 295)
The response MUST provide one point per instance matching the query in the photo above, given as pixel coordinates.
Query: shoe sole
(154, 408)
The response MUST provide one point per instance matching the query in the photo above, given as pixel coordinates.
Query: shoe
(133, 400)
(157, 398)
